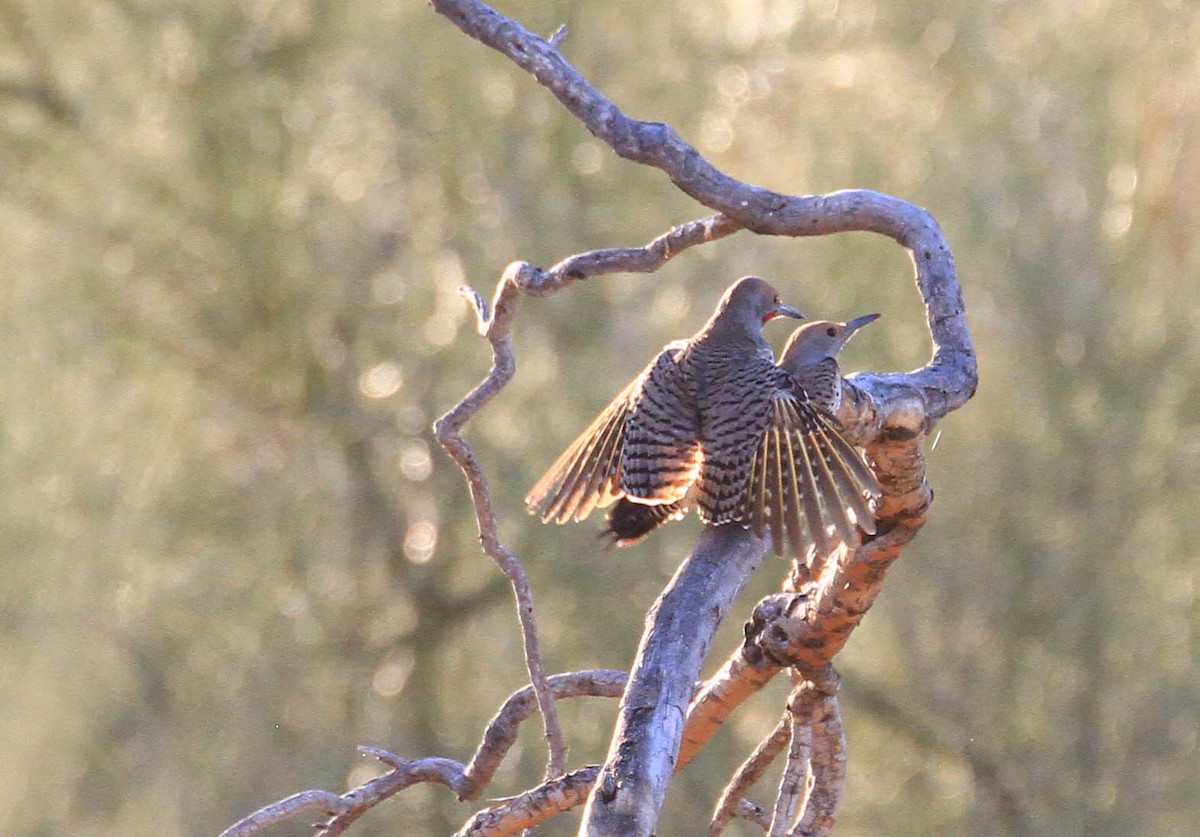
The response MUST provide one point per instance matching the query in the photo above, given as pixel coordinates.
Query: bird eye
(776, 299)
(831, 331)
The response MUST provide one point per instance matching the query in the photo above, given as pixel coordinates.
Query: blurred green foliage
(231, 235)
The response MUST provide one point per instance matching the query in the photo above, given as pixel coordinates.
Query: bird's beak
(784, 311)
(858, 322)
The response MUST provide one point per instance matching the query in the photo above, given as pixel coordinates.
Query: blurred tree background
(231, 235)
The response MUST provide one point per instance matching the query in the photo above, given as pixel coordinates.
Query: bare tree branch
(648, 258)
(890, 414)
(751, 770)
(679, 629)
(817, 710)
(741, 676)
(494, 322)
(804, 628)
(793, 785)
(534, 806)
(404, 774)
(495, 325)
(946, 383)
(345, 809)
(322, 803)
(465, 780)
(501, 732)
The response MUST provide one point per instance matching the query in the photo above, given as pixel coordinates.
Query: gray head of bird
(814, 341)
(748, 304)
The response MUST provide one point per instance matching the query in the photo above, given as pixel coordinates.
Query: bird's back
(734, 387)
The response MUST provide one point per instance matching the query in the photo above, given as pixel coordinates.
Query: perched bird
(686, 429)
(807, 480)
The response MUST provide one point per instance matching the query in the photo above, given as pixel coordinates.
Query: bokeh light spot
(420, 541)
(415, 461)
(389, 678)
(1122, 181)
(716, 134)
(1117, 220)
(381, 380)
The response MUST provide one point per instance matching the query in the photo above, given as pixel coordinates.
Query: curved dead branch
(534, 806)
(946, 383)
(465, 780)
(501, 732)
(889, 414)
(806, 626)
(495, 324)
(752, 769)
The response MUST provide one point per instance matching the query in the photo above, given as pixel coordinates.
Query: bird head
(753, 302)
(814, 341)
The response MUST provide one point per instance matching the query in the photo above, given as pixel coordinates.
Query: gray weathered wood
(679, 631)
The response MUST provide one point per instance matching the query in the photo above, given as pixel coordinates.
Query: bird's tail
(628, 522)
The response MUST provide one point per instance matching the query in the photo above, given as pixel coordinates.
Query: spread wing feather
(807, 481)
(855, 482)
(660, 453)
(756, 488)
(597, 486)
(808, 493)
(584, 475)
(633, 441)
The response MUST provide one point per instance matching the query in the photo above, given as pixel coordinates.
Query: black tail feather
(628, 522)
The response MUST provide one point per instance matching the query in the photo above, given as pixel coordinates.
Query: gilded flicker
(807, 480)
(686, 429)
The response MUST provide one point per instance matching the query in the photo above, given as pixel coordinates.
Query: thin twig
(404, 774)
(534, 806)
(465, 780)
(755, 813)
(751, 770)
(793, 785)
(324, 803)
(345, 809)
(648, 258)
(501, 732)
(827, 764)
(559, 35)
(495, 326)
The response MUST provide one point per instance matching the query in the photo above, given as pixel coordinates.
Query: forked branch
(802, 628)
(466, 780)
(495, 324)
(886, 412)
